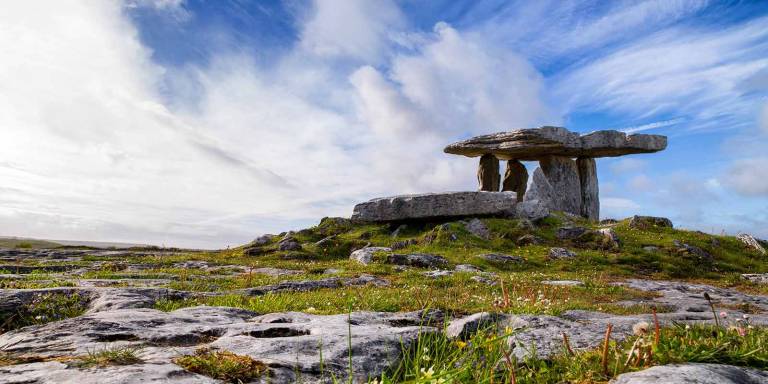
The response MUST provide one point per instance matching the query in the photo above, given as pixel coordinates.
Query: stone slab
(536, 143)
(435, 205)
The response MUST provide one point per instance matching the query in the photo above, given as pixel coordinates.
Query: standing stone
(515, 178)
(488, 173)
(590, 201)
(541, 190)
(563, 175)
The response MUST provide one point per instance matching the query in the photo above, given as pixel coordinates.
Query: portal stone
(590, 200)
(541, 190)
(563, 176)
(515, 178)
(488, 173)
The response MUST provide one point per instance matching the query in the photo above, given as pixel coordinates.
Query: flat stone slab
(694, 374)
(435, 205)
(537, 143)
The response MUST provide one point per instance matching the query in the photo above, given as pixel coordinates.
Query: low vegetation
(222, 365)
(44, 308)
(488, 358)
(119, 355)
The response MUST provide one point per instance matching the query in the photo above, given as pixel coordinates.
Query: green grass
(222, 365)
(110, 356)
(44, 308)
(27, 243)
(487, 357)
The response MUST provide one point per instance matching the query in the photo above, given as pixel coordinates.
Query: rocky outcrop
(694, 374)
(435, 205)
(488, 173)
(557, 253)
(515, 178)
(422, 260)
(294, 345)
(563, 176)
(535, 143)
(645, 222)
(751, 243)
(498, 258)
(590, 200)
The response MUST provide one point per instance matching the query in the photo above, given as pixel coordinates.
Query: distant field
(13, 242)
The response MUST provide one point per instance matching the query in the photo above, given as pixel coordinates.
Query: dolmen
(566, 179)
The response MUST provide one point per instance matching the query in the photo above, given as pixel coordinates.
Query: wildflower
(641, 328)
(460, 344)
(311, 309)
(428, 373)
(723, 314)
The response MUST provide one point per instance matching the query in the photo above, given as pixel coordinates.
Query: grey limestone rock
(499, 258)
(488, 173)
(590, 191)
(557, 253)
(535, 143)
(562, 174)
(751, 243)
(435, 205)
(570, 233)
(541, 190)
(478, 228)
(694, 374)
(422, 260)
(365, 255)
(515, 179)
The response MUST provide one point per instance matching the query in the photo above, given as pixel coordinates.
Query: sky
(204, 124)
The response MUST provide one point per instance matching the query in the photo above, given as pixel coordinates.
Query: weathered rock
(590, 191)
(757, 278)
(610, 238)
(650, 248)
(541, 190)
(467, 268)
(277, 272)
(645, 222)
(365, 255)
(262, 240)
(467, 326)
(422, 260)
(377, 341)
(437, 273)
(563, 176)
(478, 228)
(499, 258)
(288, 243)
(694, 374)
(688, 250)
(488, 173)
(435, 205)
(536, 143)
(561, 253)
(608, 221)
(515, 179)
(312, 285)
(751, 243)
(528, 240)
(530, 210)
(487, 280)
(569, 233)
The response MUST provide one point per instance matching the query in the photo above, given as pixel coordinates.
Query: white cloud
(749, 176)
(357, 29)
(763, 119)
(627, 165)
(89, 150)
(641, 183)
(617, 207)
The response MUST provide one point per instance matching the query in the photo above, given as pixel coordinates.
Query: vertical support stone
(563, 175)
(515, 178)
(488, 173)
(541, 190)
(590, 200)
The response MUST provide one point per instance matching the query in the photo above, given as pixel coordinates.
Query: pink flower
(723, 314)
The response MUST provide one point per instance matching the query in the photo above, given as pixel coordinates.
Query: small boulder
(365, 255)
(650, 248)
(561, 253)
(683, 249)
(487, 280)
(422, 260)
(694, 374)
(254, 251)
(528, 240)
(645, 222)
(467, 268)
(478, 228)
(288, 243)
(262, 240)
(498, 258)
(757, 278)
(570, 233)
(610, 238)
(751, 243)
(608, 221)
(563, 283)
(467, 326)
(437, 273)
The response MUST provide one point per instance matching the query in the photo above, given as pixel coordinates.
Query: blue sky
(205, 123)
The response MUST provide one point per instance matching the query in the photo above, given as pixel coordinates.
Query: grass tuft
(110, 356)
(222, 365)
